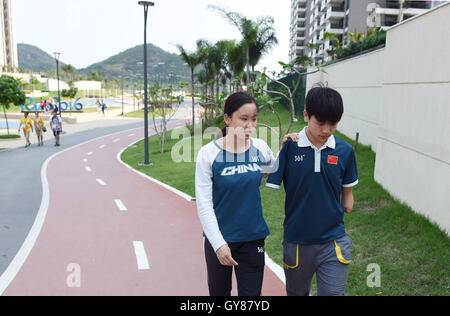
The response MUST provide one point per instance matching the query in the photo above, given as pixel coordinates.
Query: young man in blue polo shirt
(319, 172)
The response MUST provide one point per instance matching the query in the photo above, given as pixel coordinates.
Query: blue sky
(89, 31)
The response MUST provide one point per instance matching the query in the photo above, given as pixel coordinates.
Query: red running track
(86, 245)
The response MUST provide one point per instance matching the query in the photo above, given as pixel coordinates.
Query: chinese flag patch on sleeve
(333, 160)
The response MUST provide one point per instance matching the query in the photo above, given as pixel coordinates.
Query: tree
(192, 60)
(258, 37)
(69, 70)
(355, 37)
(266, 39)
(10, 93)
(205, 51)
(287, 92)
(94, 76)
(334, 43)
(162, 98)
(236, 60)
(72, 92)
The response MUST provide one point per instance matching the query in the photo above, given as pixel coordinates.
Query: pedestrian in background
(56, 126)
(103, 107)
(27, 128)
(39, 128)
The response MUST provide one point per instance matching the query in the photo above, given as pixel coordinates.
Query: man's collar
(304, 141)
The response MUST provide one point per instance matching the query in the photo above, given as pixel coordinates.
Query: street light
(146, 4)
(121, 85)
(57, 75)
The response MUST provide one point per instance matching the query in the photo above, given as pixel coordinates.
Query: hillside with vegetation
(162, 66)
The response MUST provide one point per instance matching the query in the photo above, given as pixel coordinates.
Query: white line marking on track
(116, 140)
(101, 182)
(278, 270)
(85, 160)
(88, 169)
(179, 193)
(141, 256)
(131, 135)
(102, 146)
(90, 153)
(121, 206)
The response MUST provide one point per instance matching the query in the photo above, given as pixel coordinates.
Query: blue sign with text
(75, 106)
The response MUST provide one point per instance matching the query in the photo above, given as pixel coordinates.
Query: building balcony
(321, 12)
(335, 31)
(337, 14)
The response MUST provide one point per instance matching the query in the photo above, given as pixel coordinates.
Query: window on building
(392, 4)
(417, 4)
(390, 20)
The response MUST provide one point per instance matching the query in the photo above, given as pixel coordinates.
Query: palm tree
(236, 60)
(355, 37)
(219, 62)
(258, 36)
(204, 51)
(266, 39)
(334, 43)
(192, 60)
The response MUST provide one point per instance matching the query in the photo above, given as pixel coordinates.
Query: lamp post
(121, 86)
(57, 76)
(146, 4)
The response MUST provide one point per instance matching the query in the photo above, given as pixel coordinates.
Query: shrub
(373, 40)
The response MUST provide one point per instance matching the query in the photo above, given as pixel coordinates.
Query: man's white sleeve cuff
(351, 185)
(273, 186)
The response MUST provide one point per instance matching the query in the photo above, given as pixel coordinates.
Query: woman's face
(243, 122)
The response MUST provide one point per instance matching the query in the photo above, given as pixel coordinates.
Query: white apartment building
(311, 19)
(8, 45)
(388, 13)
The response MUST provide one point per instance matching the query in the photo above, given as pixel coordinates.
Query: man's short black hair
(325, 104)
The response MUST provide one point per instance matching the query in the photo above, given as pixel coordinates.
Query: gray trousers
(329, 261)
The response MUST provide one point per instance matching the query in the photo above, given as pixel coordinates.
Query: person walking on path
(56, 125)
(39, 128)
(103, 107)
(229, 171)
(319, 172)
(98, 106)
(27, 124)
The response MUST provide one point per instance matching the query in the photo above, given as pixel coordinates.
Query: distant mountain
(34, 58)
(162, 66)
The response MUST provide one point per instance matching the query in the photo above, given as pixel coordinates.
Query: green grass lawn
(413, 254)
(10, 136)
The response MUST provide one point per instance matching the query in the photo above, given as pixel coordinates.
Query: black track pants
(249, 273)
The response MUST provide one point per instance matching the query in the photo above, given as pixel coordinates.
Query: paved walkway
(104, 230)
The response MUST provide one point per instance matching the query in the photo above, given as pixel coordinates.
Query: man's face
(318, 131)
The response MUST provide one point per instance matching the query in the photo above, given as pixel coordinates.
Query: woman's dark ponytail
(224, 132)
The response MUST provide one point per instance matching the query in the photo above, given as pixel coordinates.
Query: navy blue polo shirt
(228, 195)
(313, 180)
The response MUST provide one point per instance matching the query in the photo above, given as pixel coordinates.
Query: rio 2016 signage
(75, 106)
